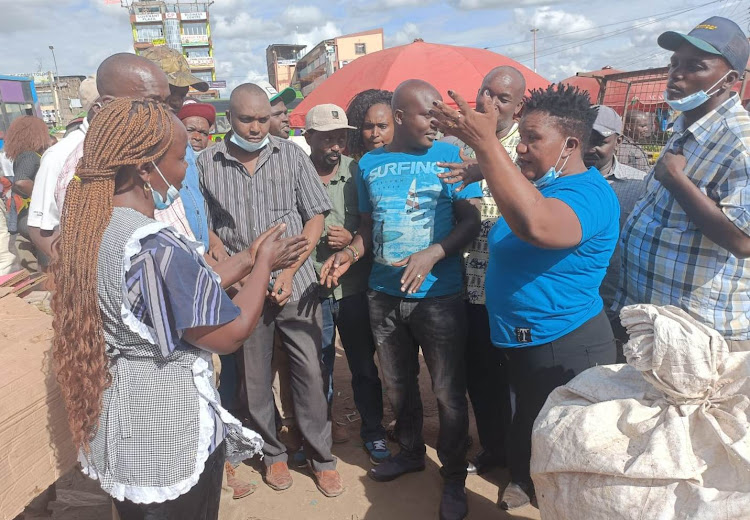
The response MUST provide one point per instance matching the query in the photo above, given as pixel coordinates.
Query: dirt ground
(412, 497)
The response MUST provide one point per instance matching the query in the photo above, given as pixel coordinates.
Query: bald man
(416, 226)
(278, 184)
(120, 75)
(486, 379)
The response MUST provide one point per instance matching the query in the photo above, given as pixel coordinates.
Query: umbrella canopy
(445, 66)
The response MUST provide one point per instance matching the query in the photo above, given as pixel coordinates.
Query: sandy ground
(414, 497)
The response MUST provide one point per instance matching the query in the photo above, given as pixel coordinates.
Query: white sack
(664, 437)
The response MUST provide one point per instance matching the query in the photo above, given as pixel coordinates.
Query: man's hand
(216, 250)
(282, 288)
(418, 266)
(465, 173)
(670, 166)
(338, 237)
(334, 268)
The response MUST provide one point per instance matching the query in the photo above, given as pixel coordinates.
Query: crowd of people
(501, 241)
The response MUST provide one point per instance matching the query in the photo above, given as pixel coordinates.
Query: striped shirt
(241, 205)
(666, 260)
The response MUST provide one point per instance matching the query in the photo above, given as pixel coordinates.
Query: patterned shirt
(241, 205)
(629, 185)
(666, 259)
(476, 255)
(630, 154)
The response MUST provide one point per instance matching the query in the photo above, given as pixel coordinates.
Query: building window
(204, 75)
(199, 52)
(194, 28)
(147, 33)
(360, 48)
(46, 98)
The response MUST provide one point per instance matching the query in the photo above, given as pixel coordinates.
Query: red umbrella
(444, 66)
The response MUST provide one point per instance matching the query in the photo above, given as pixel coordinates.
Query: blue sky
(574, 35)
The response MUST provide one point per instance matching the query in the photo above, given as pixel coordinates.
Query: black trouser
(534, 372)
(200, 503)
(487, 383)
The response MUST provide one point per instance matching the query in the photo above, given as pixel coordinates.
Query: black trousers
(534, 372)
(200, 503)
(487, 383)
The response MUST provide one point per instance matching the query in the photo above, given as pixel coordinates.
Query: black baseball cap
(716, 35)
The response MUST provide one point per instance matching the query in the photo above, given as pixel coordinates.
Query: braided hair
(356, 112)
(126, 132)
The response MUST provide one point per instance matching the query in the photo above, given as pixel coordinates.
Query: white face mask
(247, 145)
(172, 193)
(553, 173)
(694, 100)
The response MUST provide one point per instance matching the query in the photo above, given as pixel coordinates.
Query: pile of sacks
(666, 436)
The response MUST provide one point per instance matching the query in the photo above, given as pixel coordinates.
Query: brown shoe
(278, 477)
(329, 482)
(240, 488)
(339, 433)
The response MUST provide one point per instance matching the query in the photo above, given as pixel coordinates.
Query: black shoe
(395, 466)
(484, 462)
(453, 505)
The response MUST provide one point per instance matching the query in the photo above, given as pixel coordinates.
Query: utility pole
(54, 85)
(534, 31)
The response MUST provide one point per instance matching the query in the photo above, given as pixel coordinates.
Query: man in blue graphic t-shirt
(415, 225)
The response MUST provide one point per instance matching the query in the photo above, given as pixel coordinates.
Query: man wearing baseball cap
(687, 242)
(176, 67)
(628, 183)
(345, 306)
(279, 109)
(198, 119)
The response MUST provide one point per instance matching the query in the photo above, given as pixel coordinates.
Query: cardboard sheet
(35, 442)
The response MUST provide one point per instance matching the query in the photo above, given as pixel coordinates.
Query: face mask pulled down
(694, 100)
(172, 193)
(247, 145)
(553, 173)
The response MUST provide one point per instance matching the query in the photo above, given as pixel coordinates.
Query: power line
(571, 45)
(672, 13)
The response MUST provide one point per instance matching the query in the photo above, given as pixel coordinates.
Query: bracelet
(354, 252)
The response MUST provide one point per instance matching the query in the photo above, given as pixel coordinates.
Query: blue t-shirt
(411, 209)
(535, 295)
(193, 200)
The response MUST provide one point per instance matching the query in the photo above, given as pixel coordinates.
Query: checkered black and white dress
(161, 417)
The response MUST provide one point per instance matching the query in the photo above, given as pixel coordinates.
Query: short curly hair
(26, 134)
(356, 112)
(569, 106)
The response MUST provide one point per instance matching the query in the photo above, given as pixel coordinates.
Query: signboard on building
(200, 62)
(158, 41)
(217, 84)
(287, 63)
(194, 39)
(170, 16)
(148, 17)
(193, 16)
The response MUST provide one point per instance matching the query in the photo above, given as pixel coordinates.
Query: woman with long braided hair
(138, 313)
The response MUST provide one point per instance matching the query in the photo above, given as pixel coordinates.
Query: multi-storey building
(180, 24)
(330, 55)
(281, 60)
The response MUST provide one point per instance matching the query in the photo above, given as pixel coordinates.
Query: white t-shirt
(44, 212)
(6, 166)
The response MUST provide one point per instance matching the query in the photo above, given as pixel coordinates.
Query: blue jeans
(229, 382)
(438, 325)
(351, 316)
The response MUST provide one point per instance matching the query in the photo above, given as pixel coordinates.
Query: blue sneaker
(378, 450)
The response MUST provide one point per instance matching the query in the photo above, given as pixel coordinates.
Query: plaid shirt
(666, 260)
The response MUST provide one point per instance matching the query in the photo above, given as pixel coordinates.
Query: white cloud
(302, 17)
(499, 4)
(407, 34)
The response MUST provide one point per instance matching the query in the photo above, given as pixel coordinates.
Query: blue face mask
(694, 100)
(247, 145)
(172, 193)
(553, 173)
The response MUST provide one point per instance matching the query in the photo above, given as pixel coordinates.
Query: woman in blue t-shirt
(548, 253)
